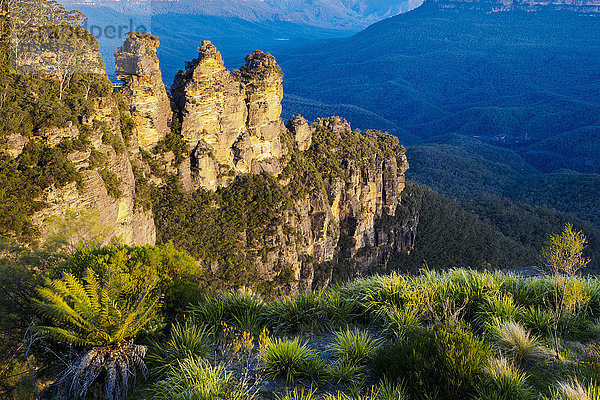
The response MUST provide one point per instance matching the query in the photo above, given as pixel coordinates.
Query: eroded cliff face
(137, 66)
(95, 200)
(583, 6)
(342, 223)
(231, 122)
(87, 211)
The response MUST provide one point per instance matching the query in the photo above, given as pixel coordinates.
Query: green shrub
(503, 381)
(356, 346)
(185, 341)
(113, 140)
(195, 379)
(112, 183)
(461, 357)
(291, 359)
(412, 359)
(127, 126)
(24, 179)
(442, 364)
(136, 267)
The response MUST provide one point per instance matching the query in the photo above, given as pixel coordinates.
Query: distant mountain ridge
(350, 15)
(581, 6)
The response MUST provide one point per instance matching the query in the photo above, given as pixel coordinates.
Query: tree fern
(89, 312)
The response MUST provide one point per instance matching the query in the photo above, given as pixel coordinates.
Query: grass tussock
(515, 341)
(504, 381)
(355, 345)
(195, 379)
(291, 359)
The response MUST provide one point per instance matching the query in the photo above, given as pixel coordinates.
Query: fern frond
(58, 309)
(64, 335)
(145, 317)
(93, 290)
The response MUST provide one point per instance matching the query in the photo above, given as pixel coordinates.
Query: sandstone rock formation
(137, 66)
(88, 211)
(350, 212)
(302, 132)
(101, 206)
(343, 220)
(231, 122)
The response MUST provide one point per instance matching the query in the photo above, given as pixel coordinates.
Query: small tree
(93, 314)
(563, 258)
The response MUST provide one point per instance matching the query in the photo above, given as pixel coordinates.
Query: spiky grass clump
(398, 321)
(538, 319)
(498, 307)
(514, 340)
(574, 390)
(503, 381)
(298, 394)
(371, 394)
(242, 309)
(195, 379)
(390, 391)
(339, 307)
(300, 313)
(355, 345)
(185, 341)
(291, 359)
(346, 371)
(526, 292)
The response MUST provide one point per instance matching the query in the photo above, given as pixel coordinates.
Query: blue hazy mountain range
(236, 27)
(181, 34)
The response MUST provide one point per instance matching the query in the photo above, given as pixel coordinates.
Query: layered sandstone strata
(144, 91)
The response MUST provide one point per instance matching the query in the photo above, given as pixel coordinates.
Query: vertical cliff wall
(231, 122)
(343, 187)
(102, 205)
(143, 89)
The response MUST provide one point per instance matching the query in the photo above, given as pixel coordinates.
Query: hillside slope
(509, 78)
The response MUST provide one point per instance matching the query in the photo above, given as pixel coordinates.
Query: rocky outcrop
(231, 122)
(584, 6)
(302, 132)
(100, 205)
(259, 147)
(344, 222)
(87, 211)
(144, 91)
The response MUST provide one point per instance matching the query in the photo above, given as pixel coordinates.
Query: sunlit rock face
(231, 122)
(86, 210)
(144, 91)
(231, 125)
